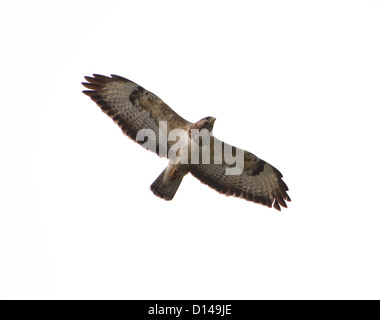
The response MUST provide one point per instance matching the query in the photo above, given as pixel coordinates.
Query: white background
(295, 82)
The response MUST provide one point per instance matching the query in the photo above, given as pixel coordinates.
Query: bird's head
(205, 123)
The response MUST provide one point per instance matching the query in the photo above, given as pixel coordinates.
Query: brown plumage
(134, 109)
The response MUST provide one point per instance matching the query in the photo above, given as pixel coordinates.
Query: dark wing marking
(133, 108)
(259, 182)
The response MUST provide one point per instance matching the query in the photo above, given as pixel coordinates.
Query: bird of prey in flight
(190, 147)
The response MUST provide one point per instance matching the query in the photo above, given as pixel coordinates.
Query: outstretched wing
(258, 182)
(134, 109)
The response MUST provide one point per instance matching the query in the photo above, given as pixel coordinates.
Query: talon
(173, 174)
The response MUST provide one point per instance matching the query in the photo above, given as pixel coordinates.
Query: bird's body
(190, 147)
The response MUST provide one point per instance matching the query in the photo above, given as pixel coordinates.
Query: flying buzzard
(190, 147)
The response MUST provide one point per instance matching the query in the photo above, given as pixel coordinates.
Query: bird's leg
(173, 174)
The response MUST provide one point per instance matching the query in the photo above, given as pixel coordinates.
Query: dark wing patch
(133, 108)
(259, 182)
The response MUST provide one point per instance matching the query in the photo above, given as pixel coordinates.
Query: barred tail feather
(164, 187)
